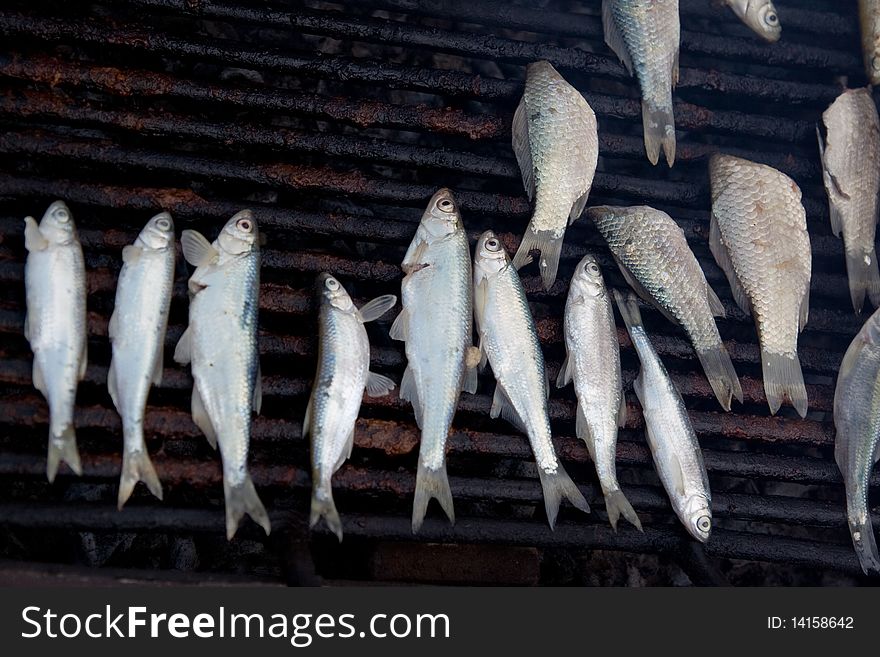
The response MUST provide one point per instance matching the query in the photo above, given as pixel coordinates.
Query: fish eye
(493, 244)
(771, 19)
(593, 268)
(875, 63)
(62, 215)
(332, 284)
(245, 225)
(164, 224)
(704, 524)
(446, 205)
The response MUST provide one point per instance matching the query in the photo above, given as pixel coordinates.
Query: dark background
(335, 122)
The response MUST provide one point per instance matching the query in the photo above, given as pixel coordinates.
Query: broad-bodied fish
(671, 436)
(851, 168)
(509, 341)
(137, 333)
(645, 36)
(556, 143)
(759, 15)
(758, 235)
(593, 361)
(55, 325)
(343, 375)
(869, 22)
(221, 344)
(857, 443)
(436, 323)
(657, 262)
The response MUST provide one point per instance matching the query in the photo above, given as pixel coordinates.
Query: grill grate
(335, 122)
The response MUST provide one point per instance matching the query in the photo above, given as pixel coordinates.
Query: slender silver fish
(137, 333)
(509, 341)
(221, 344)
(869, 22)
(593, 361)
(657, 262)
(557, 147)
(343, 374)
(645, 36)
(671, 436)
(851, 167)
(759, 15)
(758, 235)
(436, 324)
(857, 444)
(55, 324)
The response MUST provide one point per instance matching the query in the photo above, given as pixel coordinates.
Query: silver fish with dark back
(759, 15)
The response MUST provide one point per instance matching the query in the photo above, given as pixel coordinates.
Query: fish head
(760, 16)
(587, 281)
(699, 518)
(331, 292)
(57, 224)
(490, 256)
(441, 217)
(240, 234)
(158, 233)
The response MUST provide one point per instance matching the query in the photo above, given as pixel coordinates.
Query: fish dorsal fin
(111, 385)
(613, 37)
(578, 208)
(715, 304)
(522, 149)
(377, 307)
(131, 254)
(565, 372)
(347, 448)
(201, 418)
(722, 257)
(480, 292)
(258, 390)
(804, 314)
(112, 327)
(197, 249)
(307, 420)
(835, 192)
(378, 385)
(38, 378)
(83, 358)
(400, 327)
(183, 350)
(501, 406)
(33, 237)
(621, 411)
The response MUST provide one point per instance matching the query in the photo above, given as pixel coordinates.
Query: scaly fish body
(851, 167)
(869, 22)
(221, 344)
(509, 341)
(645, 36)
(857, 443)
(758, 235)
(436, 324)
(671, 436)
(593, 361)
(137, 333)
(343, 374)
(759, 15)
(55, 326)
(556, 144)
(654, 257)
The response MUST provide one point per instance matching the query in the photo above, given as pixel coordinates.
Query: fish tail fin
(136, 466)
(431, 484)
(721, 374)
(866, 546)
(864, 278)
(323, 506)
(783, 378)
(659, 125)
(558, 485)
(242, 499)
(62, 448)
(550, 248)
(617, 504)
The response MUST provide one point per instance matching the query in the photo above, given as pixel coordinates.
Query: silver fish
(851, 167)
(221, 344)
(758, 235)
(509, 341)
(55, 325)
(137, 333)
(857, 444)
(557, 147)
(343, 374)
(593, 361)
(759, 15)
(645, 36)
(657, 262)
(436, 324)
(869, 22)
(671, 436)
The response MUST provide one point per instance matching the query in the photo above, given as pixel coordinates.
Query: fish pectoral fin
(522, 149)
(258, 390)
(38, 378)
(565, 372)
(412, 261)
(480, 290)
(183, 350)
(33, 237)
(377, 307)
(201, 418)
(131, 254)
(501, 406)
(613, 37)
(111, 385)
(582, 430)
(400, 327)
(378, 385)
(675, 471)
(347, 448)
(832, 187)
(722, 257)
(409, 392)
(196, 248)
(643, 292)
